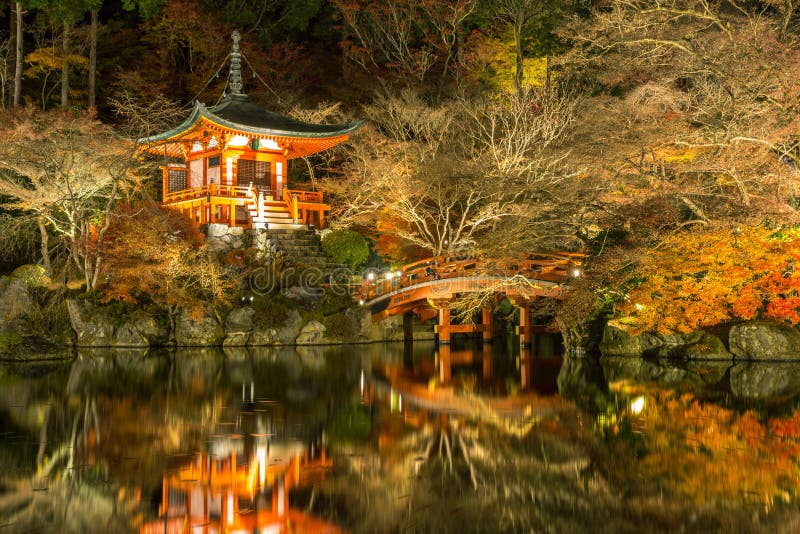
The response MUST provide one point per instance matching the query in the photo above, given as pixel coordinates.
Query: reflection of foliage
(713, 454)
(351, 424)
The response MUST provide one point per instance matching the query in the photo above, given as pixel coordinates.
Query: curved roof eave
(335, 129)
(181, 128)
(201, 111)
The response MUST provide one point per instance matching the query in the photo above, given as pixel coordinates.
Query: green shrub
(9, 341)
(346, 247)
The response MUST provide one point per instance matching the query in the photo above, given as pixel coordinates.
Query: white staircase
(271, 214)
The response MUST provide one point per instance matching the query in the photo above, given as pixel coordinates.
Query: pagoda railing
(213, 190)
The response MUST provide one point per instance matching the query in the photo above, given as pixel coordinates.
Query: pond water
(370, 439)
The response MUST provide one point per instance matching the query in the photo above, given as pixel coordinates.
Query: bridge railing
(548, 267)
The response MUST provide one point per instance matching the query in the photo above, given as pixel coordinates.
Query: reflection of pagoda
(216, 494)
(242, 482)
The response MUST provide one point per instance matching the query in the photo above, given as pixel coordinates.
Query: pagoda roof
(239, 115)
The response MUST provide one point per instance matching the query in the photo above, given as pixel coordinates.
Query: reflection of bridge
(428, 287)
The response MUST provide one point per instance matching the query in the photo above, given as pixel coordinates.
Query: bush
(346, 247)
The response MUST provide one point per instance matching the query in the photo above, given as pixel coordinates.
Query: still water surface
(369, 439)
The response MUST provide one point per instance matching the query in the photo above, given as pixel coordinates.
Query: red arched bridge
(428, 285)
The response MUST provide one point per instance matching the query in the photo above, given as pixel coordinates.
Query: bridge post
(487, 361)
(524, 328)
(443, 328)
(525, 367)
(444, 364)
(487, 322)
(408, 326)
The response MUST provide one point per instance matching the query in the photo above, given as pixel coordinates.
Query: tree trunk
(92, 58)
(18, 56)
(520, 66)
(45, 247)
(65, 69)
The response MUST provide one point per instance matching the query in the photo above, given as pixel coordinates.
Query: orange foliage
(157, 254)
(701, 279)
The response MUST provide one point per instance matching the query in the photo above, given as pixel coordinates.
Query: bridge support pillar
(524, 328)
(487, 323)
(408, 326)
(444, 364)
(525, 367)
(443, 328)
(487, 361)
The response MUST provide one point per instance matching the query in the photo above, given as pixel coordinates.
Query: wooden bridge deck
(443, 278)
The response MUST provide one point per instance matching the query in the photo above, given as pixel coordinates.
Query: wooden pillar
(525, 367)
(487, 361)
(487, 322)
(443, 328)
(232, 217)
(444, 364)
(408, 326)
(524, 328)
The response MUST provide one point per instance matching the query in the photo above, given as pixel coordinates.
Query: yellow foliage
(45, 60)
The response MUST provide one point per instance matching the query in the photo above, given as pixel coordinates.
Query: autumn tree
(158, 255)
(68, 172)
(449, 175)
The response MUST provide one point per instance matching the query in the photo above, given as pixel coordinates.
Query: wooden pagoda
(231, 161)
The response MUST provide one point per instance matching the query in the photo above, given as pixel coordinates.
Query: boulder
(240, 320)
(312, 333)
(765, 382)
(698, 345)
(32, 275)
(263, 335)
(126, 335)
(92, 327)
(204, 330)
(764, 340)
(154, 329)
(617, 342)
(287, 334)
(216, 230)
(15, 300)
(708, 347)
(236, 339)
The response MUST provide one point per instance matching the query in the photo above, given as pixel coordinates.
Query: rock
(215, 246)
(287, 334)
(759, 381)
(15, 300)
(32, 275)
(763, 340)
(92, 327)
(236, 231)
(312, 333)
(696, 345)
(391, 328)
(240, 320)
(263, 335)
(201, 331)
(128, 336)
(617, 342)
(708, 347)
(154, 330)
(236, 339)
(216, 230)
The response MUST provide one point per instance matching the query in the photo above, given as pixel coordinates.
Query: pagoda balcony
(249, 206)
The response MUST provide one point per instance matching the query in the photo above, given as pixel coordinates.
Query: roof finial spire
(235, 77)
